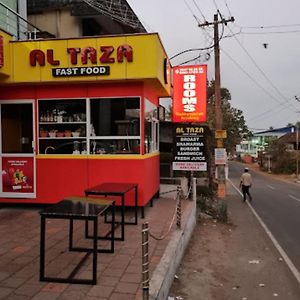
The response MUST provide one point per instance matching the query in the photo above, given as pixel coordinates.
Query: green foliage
(215, 208)
(233, 119)
(283, 161)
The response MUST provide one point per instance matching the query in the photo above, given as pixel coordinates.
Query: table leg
(42, 249)
(136, 205)
(123, 218)
(95, 250)
(86, 228)
(112, 247)
(142, 212)
(71, 235)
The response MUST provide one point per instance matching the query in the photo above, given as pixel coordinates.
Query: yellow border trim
(97, 156)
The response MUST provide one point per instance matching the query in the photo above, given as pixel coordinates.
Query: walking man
(245, 184)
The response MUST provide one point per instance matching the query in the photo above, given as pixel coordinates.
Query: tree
(233, 119)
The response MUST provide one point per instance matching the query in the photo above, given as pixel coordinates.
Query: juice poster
(17, 174)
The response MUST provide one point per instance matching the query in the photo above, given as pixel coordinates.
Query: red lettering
(50, 58)
(37, 56)
(107, 51)
(89, 52)
(124, 51)
(73, 54)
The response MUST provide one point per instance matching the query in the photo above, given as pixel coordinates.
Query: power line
(268, 26)
(191, 11)
(190, 50)
(199, 10)
(252, 78)
(254, 62)
(198, 21)
(258, 67)
(269, 32)
(230, 14)
(263, 114)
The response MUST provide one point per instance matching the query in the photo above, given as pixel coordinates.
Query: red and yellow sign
(90, 59)
(189, 93)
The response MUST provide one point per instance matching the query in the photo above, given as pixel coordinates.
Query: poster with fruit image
(17, 174)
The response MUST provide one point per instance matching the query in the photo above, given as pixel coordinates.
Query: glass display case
(89, 126)
(62, 126)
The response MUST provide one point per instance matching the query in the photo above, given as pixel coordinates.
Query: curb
(163, 275)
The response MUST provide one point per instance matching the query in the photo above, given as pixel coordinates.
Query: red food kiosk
(79, 112)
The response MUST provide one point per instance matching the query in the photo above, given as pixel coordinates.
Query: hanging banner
(189, 93)
(17, 174)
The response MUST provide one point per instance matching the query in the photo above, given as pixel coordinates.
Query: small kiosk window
(151, 127)
(115, 126)
(62, 126)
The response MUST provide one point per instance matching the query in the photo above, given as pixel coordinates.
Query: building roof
(275, 132)
(118, 10)
(289, 138)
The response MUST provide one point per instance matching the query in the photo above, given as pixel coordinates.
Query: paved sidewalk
(118, 274)
(224, 257)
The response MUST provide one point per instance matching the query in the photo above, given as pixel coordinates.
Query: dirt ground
(201, 271)
(233, 261)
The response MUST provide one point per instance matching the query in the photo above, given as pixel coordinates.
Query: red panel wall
(72, 91)
(58, 178)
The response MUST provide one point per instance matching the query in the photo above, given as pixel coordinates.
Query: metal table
(76, 210)
(117, 189)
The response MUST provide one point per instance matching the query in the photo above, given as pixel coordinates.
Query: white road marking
(283, 254)
(271, 187)
(295, 198)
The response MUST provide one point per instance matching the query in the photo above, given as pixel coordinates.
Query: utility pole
(220, 168)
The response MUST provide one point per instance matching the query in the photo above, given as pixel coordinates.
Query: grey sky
(263, 81)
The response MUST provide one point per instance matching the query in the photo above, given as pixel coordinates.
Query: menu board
(189, 152)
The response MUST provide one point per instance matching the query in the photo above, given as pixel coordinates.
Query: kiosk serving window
(151, 127)
(62, 126)
(115, 125)
(89, 126)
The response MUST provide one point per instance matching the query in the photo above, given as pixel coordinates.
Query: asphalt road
(278, 205)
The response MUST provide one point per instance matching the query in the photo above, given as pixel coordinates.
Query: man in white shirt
(246, 183)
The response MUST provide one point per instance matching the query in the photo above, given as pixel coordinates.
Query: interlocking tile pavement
(118, 274)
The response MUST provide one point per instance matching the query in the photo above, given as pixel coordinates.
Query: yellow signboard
(220, 134)
(133, 57)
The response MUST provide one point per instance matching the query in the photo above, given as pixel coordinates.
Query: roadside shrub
(212, 207)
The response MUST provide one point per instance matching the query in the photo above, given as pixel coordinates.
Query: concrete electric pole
(220, 168)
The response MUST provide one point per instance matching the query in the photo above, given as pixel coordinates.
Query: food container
(75, 134)
(43, 133)
(68, 133)
(60, 134)
(52, 133)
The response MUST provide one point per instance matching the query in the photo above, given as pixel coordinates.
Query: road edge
(285, 257)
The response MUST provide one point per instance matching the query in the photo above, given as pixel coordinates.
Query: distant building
(69, 18)
(260, 141)
(13, 15)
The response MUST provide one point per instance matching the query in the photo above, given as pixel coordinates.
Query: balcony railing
(16, 25)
